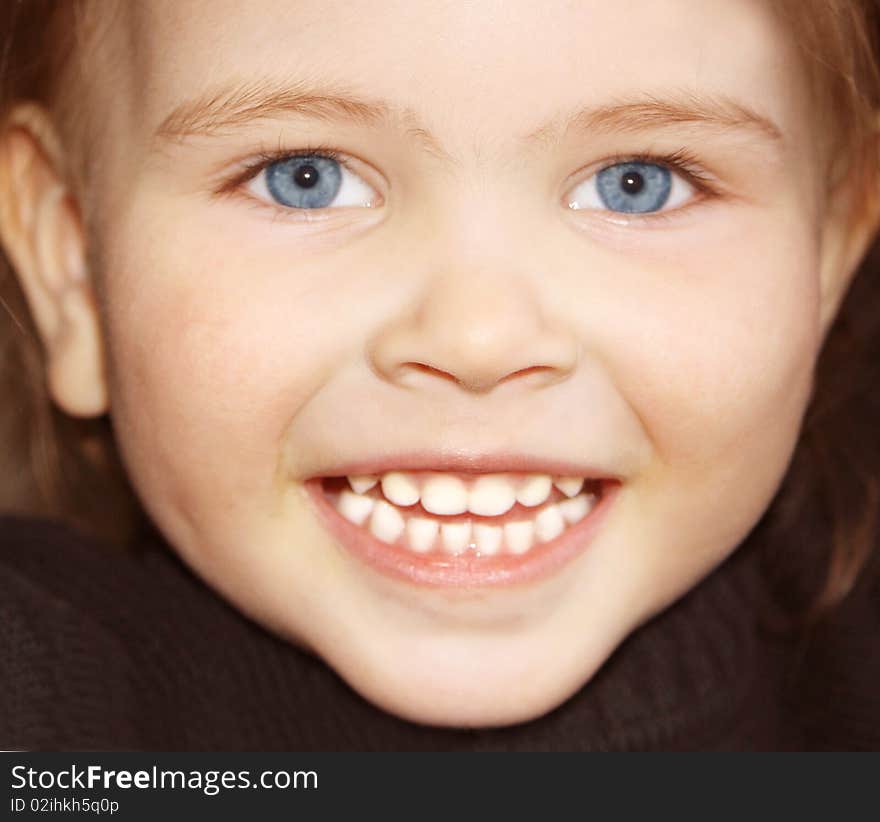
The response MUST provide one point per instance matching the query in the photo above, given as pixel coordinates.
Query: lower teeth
(422, 535)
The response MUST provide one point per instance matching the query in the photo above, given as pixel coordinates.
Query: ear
(43, 236)
(850, 225)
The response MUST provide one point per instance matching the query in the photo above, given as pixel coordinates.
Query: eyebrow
(225, 109)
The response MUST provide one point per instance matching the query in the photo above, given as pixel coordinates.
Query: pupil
(632, 182)
(306, 176)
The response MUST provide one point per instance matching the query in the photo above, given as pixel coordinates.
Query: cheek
(719, 371)
(737, 367)
(211, 356)
(728, 364)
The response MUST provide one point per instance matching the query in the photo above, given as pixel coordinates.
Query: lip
(468, 463)
(462, 571)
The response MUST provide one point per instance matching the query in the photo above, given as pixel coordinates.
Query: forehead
(493, 68)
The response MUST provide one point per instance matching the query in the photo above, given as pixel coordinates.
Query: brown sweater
(105, 649)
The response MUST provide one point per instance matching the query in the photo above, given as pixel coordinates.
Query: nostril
(544, 374)
(424, 368)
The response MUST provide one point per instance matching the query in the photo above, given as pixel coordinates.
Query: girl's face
(565, 239)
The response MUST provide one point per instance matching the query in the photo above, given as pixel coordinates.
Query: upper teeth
(361, 485)
(488, 495)
(391, 518)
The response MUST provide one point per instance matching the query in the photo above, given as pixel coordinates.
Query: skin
(241, 350)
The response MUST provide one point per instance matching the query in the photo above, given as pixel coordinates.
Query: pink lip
(464, 571)
(466, 463)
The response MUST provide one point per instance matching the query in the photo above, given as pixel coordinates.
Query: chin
(474, 685)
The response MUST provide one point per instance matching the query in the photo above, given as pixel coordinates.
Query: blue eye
(632, 188)
(311, 181)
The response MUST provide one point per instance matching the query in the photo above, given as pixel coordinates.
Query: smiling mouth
(452, 529)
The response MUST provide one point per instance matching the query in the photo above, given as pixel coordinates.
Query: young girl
(468, 352)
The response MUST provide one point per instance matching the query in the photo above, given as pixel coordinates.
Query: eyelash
(681, 162)
(265, 158)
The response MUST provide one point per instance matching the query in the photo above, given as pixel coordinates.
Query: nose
(476, 329)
